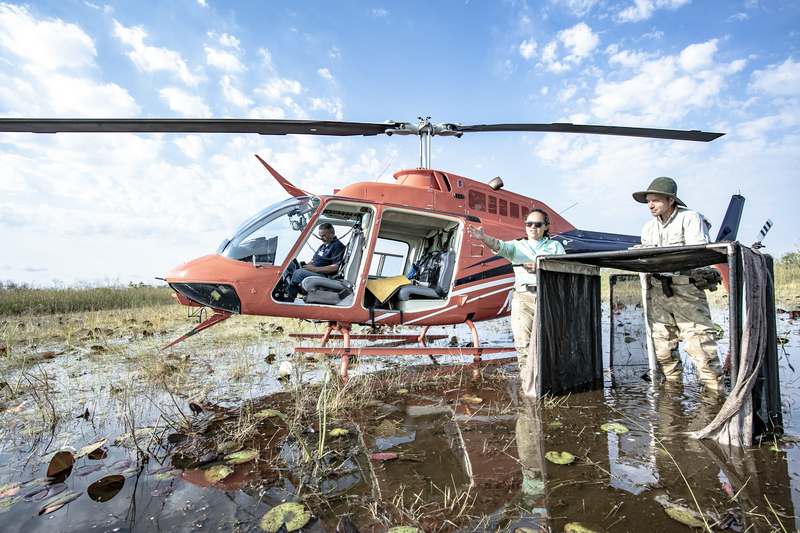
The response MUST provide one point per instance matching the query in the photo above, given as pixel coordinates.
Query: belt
(525, 288)
(667, 281)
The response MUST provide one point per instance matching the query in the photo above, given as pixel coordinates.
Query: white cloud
(202, 3)
(82, 97)
(266, 57)
(223, 60)
(266, 112)
(325, 73)
(579, 7)
(629, 59)
(380, 12)
(738, 16)
(580, 40)
(91, 5)
(152, 59)
(782, 79)
(333, 107)
(663, 90)
(232, 94)
(527, 49)
(224, 39)
(276, 88)
(184, 103)
(549, 57)
(335, 53)
(48, 45)
(643, 9)
(698, 56)
(191, 145)
(566, 93)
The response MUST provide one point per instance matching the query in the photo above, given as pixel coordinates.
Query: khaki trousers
(684, 316)
(523, 320)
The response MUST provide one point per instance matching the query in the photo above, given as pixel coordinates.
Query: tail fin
(730, 224)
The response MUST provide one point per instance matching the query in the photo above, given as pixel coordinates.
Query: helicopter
(408, 259)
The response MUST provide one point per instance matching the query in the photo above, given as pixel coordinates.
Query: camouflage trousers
(683, 316)
(523, 320)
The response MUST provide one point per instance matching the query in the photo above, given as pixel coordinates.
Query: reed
(25, 299)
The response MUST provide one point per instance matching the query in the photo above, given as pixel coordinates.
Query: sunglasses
(530, 223)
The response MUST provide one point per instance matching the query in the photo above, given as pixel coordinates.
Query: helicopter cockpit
(268, 237)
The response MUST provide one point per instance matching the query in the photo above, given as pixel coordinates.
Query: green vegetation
(787, 275)
(24, 299)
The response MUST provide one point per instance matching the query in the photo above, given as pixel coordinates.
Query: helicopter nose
(215, 295)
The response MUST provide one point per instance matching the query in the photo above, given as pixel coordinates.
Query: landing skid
(347, 351)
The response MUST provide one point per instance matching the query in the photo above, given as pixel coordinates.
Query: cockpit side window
(268, 237)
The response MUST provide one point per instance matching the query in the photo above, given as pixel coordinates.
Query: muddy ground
(209, 436)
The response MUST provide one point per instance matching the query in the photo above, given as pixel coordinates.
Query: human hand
(476, 233)
(529, 267)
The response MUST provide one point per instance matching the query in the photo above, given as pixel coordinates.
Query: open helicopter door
(414, 263)
(351, 222)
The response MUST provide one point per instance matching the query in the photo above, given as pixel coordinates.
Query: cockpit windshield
(268, 237)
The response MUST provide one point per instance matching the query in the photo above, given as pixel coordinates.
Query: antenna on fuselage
(570, 207)
(389, 163)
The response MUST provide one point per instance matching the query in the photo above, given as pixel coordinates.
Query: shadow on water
(451, 453)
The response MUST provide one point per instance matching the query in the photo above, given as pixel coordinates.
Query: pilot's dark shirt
(328, 254)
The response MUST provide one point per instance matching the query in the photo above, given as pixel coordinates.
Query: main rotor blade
(192, 125)
(312, 127)
(564, 127)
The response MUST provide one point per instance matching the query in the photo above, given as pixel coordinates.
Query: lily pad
(560, 458)
(684, 517)
(241, 457)
(292, 514)
(229, 447)
(167, 474)
(578, 527)
(338, 432)
(61, 462)
(218, 473)
(58, 502)
(471, 399)
(615, 427)
(89, 449)
(106, 488)
(383, 456)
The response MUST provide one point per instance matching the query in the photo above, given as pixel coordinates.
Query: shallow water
(470, 452)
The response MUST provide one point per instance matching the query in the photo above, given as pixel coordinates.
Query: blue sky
(88, 207)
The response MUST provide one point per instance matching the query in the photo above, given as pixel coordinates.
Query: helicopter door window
(492, 205)
(503, 208)
(477, 200)
(389, 258)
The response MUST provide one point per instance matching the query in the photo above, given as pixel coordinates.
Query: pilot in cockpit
(326, 259)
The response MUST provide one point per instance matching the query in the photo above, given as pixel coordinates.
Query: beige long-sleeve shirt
(684, 227)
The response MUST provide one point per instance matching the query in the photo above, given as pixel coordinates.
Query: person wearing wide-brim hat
(677, 308)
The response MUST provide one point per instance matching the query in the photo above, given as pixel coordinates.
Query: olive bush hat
(662, 185)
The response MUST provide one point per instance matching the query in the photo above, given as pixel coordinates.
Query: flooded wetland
(102, 431)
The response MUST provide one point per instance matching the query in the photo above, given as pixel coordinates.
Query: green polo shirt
(525, 251)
